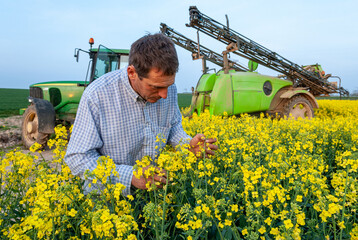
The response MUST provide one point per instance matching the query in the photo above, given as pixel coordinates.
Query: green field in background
(11, 100)
(337, 98)
(184, 100)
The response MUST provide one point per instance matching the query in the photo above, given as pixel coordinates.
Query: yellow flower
(72, 213)
(341, 225)
(197, 209)
(301, 219)
(262, 230)
(275, 231)
(206, 209)
(268, 221)
(36, 146)
(288, 224)
(228, 222)
(131, 237)
(234, 208)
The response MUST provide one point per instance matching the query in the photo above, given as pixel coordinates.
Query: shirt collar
(135, 96)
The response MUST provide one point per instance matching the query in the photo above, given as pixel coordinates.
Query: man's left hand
(199, 142)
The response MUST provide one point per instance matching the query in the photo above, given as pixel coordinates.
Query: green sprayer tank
(236, 92)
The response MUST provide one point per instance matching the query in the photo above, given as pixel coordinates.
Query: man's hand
(199, 142)
(160, 177)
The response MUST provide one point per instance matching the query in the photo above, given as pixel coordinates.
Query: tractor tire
(29, 130)
(298, 107)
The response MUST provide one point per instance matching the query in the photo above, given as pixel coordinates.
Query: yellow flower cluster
(43, 200)
(270, 179)
(334, 108)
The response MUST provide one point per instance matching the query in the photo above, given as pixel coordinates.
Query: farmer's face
(153, 87)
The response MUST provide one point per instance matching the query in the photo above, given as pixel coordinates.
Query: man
(122, 112)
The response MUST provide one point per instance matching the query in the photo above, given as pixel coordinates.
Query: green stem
(205, 170)
(236, 234)
(156, 204)
(53, 228)
(344, 201)
(217, 227)
(164, 205)
(334, 228)
(198, 233)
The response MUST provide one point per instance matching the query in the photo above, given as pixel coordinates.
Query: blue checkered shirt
(113, 120)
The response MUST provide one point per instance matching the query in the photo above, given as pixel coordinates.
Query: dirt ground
(10, 136)
(10, 132)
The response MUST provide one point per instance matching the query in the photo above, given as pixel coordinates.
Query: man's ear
(132, 74)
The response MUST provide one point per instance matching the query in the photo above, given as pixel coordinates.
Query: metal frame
(199, 51)
(251, 50)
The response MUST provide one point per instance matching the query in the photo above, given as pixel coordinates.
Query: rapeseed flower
(281, 179)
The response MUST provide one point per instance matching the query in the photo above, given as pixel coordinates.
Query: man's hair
(154, 51)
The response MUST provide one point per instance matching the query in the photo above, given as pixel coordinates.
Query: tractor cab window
(124, 61)
(106, 61)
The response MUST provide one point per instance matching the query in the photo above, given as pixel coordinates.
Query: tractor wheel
(298, 107)
(29, 131)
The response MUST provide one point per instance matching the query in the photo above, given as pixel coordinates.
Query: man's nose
(163, 92)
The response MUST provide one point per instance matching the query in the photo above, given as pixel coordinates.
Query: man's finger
(213, 147)
(198, 139)
(210, 152)
(211, 140)
(160, 179)
(161, 172)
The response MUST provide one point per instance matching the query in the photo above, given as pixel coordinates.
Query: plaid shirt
(113, 120)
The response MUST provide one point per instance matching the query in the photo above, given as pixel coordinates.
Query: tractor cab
(107, 60)
(103, 60)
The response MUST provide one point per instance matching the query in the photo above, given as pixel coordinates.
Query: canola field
(270, 179)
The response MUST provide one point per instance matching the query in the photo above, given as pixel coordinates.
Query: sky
(38, 37)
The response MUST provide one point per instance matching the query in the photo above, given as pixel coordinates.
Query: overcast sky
(38, 38)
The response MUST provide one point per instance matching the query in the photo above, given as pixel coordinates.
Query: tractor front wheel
(29, 132)
(298, 107)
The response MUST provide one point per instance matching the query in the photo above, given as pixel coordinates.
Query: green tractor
(56, 102)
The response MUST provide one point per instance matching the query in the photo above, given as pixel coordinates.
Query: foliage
(270, 179)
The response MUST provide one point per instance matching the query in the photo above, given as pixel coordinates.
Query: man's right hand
(160, 177)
